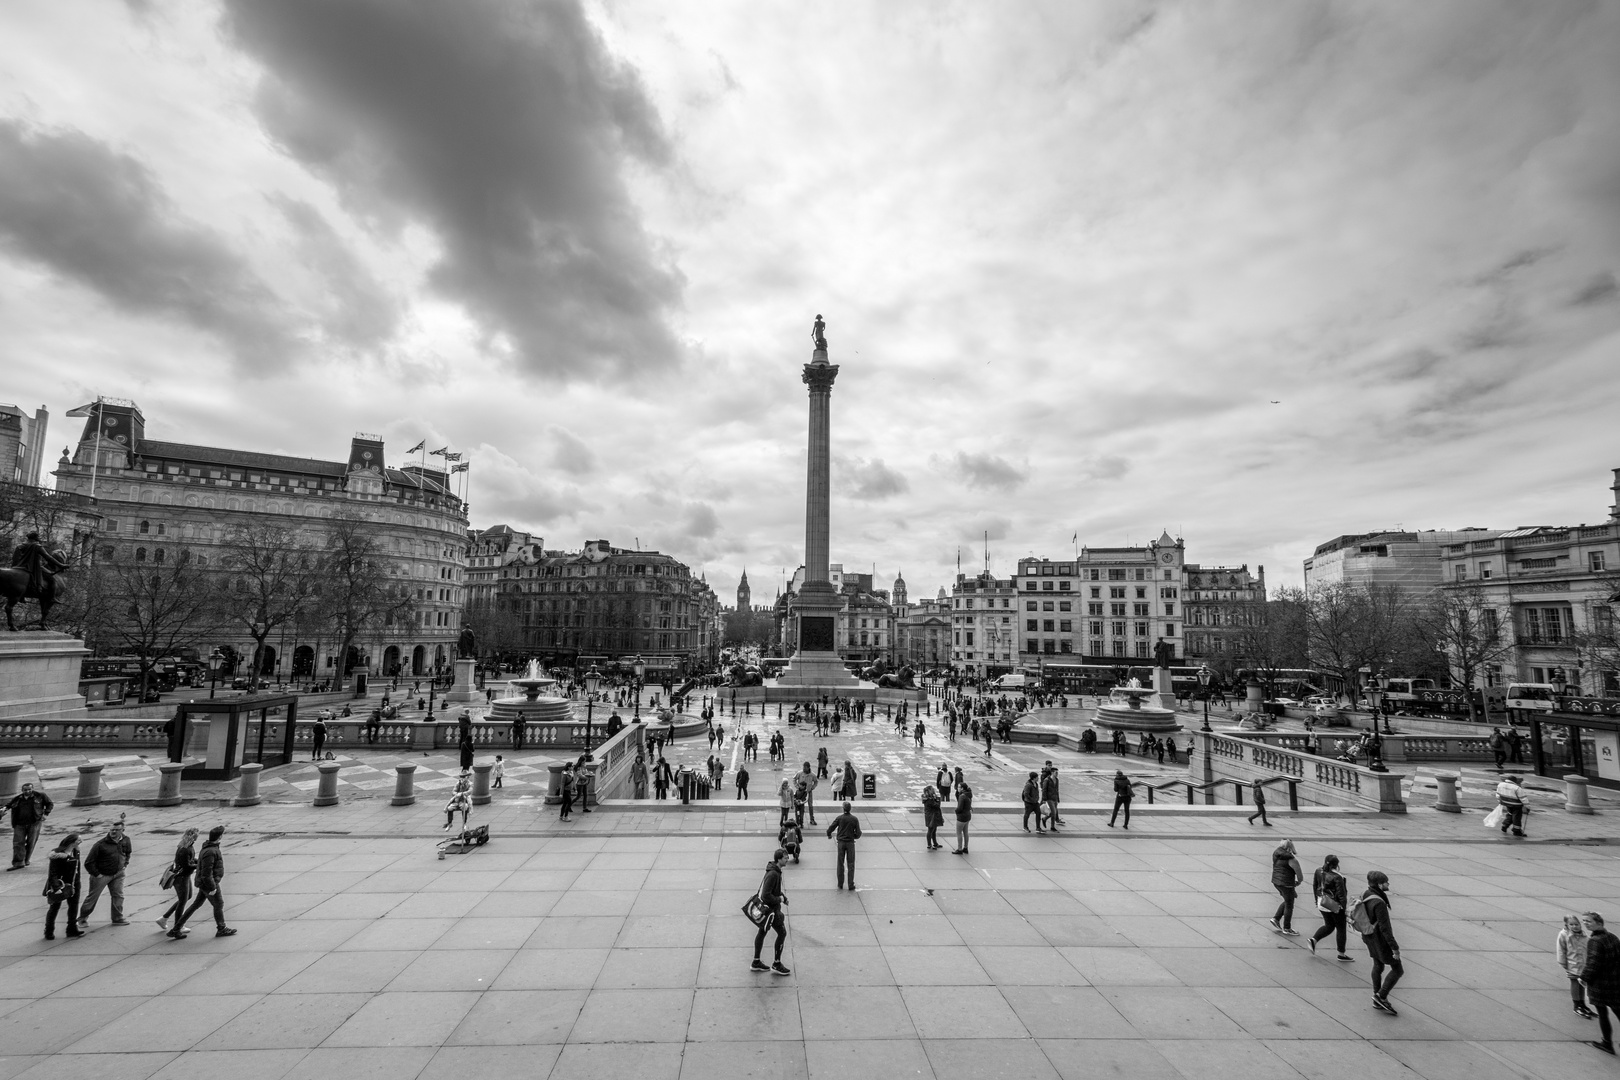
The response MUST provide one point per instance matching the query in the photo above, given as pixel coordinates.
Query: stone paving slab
(613, 946)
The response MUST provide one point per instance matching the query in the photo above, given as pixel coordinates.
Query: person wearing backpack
(933, 816)
(1370, 916)
(1032, 803)
(1332, 897)
(1286, 877)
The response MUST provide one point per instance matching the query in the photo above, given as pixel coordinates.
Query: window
(1594, 561)
(1046, 605)
(1049, 647)
(1119, 648)
(1006, 603)
(1141, 648)
(1460, 572)
(140, 554)
(1046, 625)
(1141, 629)
(1169, 609)
(1116, 575)
(1117, 629)
(1066, 646)
(1168, 576)
(1532, 618)
(1096, 629)
(1096, 593)
(1063, 586)
(146, 527)
(1029, 624)
(970, 603)
(1555, 630)
(1116, 594)
(1094, 609)
(1170, 629)
(1141, 594)
(1167, 594)
(1139, 609)
(1029, 586)
(1141, 575)
(1093, 575)
(1029, 605)
(1066, 625)
(1485, 571)
(1064, 605)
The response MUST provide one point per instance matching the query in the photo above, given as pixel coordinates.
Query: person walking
(317, 737)
(181, 869)
(1286, 877)
(848, 780)
(105, 863)
(1259, 802)
(1498, 748)
(1122, 798)
(638, 776)
(942, 780)
(1511, 796)
(210, 872)
(29, 809)
(1370, 916)
(1571, 954)
(1049, 795)
(821, 763)
(662, 775)
(773, 900)
(742, 781)
(964, 814)
(1031, 796)
(1601, 974)
(582, 787)
(566, 789)
(499, 772)
(62, 884)
(1332, 896)
(933, 816)
(848, 830)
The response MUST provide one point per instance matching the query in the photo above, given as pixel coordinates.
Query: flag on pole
(460, 468)
(453, 457)
(417, 447)
(443, 450)
(1075, 539)
(82, 410)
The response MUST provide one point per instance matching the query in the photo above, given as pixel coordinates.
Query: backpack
(1360, 918)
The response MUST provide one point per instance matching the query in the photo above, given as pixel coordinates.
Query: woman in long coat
(63, 886)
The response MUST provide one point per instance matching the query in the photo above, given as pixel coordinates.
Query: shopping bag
(1493, 820)
(755, 910)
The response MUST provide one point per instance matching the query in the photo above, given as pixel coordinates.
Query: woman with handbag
(62, 885)
(178, 877)
(933, 816)
(784, 802)
(964, 814)
(1332, 897)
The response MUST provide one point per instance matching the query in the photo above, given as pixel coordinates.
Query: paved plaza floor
(613, 946)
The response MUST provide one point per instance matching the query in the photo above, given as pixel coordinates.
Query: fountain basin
(1126, 710)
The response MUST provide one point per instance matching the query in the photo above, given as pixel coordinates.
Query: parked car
(1324, 710)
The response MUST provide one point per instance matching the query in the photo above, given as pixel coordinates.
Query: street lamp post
(213, 673)
(1204, 677)
(593, 684)
(641, 671)
(433, 688)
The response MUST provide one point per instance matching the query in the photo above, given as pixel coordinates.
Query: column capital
(819, 377)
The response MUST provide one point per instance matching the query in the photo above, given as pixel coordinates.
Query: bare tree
(154, 609)
(1349, 627)
(268, 574)
(497, 628)
(356, 595)
(1460, 625)
(1597, 645)
(1271, 637)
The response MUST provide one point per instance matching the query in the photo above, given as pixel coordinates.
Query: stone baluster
(10, 779)
(1446, 800)
(169, 783)
(1575, 800)
(480, 783)
(247, 787)
(89, 793)
(326, 793)
(404, 784)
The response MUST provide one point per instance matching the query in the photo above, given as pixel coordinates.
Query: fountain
(1124, 711)
(529, 704)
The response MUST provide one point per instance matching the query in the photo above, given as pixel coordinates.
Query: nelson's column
(816, 662)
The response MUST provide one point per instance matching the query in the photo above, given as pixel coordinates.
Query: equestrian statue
(31, 576)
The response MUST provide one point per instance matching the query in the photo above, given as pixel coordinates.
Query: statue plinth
(464, 690)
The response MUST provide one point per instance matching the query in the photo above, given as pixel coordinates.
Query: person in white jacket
(1511, 796)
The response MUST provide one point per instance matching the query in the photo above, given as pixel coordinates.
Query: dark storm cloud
(99, 218)
(989, 471)
(357, 309)
(505, 129)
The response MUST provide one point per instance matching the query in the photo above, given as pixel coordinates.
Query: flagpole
(95, 462)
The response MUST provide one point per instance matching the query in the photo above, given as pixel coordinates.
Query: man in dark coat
(771, 897)
(28, 809)
(1602, 975)
(1381, 943)
(106, 862)
(847, 828)
(210, 871)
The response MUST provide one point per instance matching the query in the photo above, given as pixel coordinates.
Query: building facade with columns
(156, 498)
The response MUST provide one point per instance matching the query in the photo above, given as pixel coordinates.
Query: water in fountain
(529, 703)
(1125, 711)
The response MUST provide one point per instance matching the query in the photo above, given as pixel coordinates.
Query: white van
(1008, 682)
(1530, 696)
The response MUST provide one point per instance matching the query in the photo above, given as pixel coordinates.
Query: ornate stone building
(864, 630)
(156, 498)
(1218, 604)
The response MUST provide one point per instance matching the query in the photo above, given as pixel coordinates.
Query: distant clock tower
(743, 595)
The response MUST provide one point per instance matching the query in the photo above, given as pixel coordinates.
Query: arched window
(157, 556)
(146, 527)
(160, 528)
(140, 553)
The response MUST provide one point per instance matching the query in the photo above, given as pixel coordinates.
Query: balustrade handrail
(1293, 783)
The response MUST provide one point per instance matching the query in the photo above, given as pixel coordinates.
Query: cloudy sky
(1256, 273)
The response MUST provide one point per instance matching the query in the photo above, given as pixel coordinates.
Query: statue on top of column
(818, 333)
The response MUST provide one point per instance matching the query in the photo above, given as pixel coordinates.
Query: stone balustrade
(1397, 748)
(110, 733)
(1321, 781)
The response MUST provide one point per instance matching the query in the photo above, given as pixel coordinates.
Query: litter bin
(868, 785)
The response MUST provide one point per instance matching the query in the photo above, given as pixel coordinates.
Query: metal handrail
(1237, 785)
